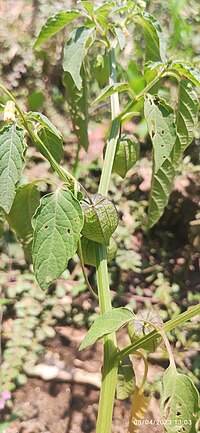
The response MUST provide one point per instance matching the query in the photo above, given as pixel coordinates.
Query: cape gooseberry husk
(100, 219)
(126, 155)
(88, 250)
(145, 322)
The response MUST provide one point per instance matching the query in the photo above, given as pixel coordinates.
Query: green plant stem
(168, 326)
(76, 163)
(109, 372)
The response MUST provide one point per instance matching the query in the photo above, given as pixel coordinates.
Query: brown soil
(53, 406)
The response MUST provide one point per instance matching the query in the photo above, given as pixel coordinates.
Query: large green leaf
(125, 379)
(75, 51)
(187, 118)
(57, 225)
(186, 70)
(160, 120)
(154, 42)
(2, 221)
(26, 201)
(101, 219)
(54, 24)
(53, 143)
(106, 324)
(162, 180)
(162, 183)
(179, 403)
(11, 163)
(78, 106)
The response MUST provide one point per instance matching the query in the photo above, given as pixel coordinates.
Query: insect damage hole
(69, 231)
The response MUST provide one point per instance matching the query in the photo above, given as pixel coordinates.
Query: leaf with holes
(154, 40)
(179, 402)
(54, 24)
(57, 225)
(101, 219)
(75, 51)
(161, 187)
(139, 406)
(53, 143)
(11, 163)
(187, 118)
(161, 125)
(186, 70)
(106, 324)
(26, 201)
(78, 106)
(125, 379)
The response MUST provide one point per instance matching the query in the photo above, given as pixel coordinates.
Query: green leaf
(78, 107)
(75, 51)
(89, 251)
(102, 13)
(53, 143)
(26, 201)
(101, 219)
(44, 121)
(125, 379)
(2, 221)
(106, 324)
(161, 126)
(179, 402)
(187, 118)
(162, 183)
(11, 163)
(120, 34)
(162, 180)
(110, 90)
(153, 37)
(57, 225)
(54, 24)
(89, 7)
(185, 70)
